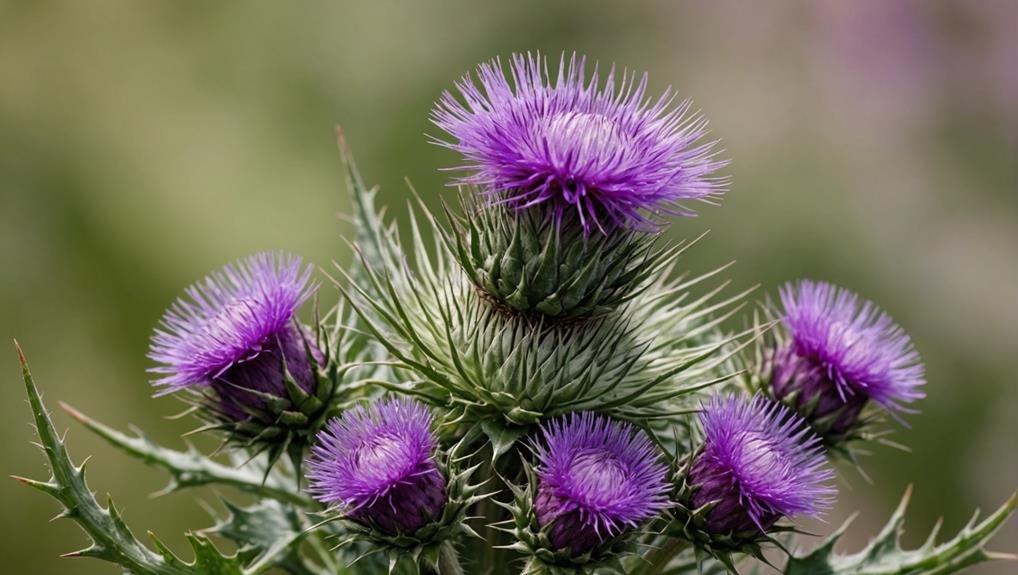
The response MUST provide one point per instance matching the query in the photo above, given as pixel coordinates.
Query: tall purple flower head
(843, 352)
(606, 151)
(596, 478)
(759, 462)
(234, 332)
(377, 463)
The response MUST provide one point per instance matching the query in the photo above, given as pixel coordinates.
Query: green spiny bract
(480, 361)
(532, 263)
(689, 523)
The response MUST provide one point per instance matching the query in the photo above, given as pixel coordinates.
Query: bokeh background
(142, 144)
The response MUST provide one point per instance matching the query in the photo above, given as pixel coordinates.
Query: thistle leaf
(884, 555)
(112, 539)
(370, 228)
(190, 468)
(209, 561)
(267, 532)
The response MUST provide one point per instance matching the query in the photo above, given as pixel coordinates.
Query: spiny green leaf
(884, 555)
(267, 529)
(190, 468)
(370, 228)
(209, 561)
(112, 540)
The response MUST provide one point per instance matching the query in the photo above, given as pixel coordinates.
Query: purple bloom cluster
(596, 478)
(235, 330)
(378, 464)
(606, 151)
(759, 462)
(843, 352)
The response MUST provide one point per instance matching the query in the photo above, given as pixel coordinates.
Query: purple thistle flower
(596, 478)
(759, 462)
(378, 464)
(843, 352)
(234, 330)
(608, 152)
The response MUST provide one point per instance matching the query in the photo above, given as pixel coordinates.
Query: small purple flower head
(759, 462)
(843, 352)
(596, 478)
(234, 331)
(607, 151)
(378, 464)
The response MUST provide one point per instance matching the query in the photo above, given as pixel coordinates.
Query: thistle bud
(759, 462)
(234, 339)
(842, 352)
(597, 479)
(377, 464)
(559, 160)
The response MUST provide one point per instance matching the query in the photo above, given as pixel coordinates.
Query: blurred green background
(145, 143)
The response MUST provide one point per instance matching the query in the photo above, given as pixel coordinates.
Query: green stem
(657, 559)
(448, 561)
(314, 539)
(485, 552)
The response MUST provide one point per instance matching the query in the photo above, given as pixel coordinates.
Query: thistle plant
(529, 381)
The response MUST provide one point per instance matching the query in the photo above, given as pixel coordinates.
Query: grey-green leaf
(112, 540)
(884, 555)
(190, 468)
(266, 533)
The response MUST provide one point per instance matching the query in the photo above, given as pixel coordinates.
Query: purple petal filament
(844, 351)
(605, 151)
(377, 462)
(235, 330)
(759, 462)
(596, 478)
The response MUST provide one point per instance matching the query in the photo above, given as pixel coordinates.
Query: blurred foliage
(142, 144)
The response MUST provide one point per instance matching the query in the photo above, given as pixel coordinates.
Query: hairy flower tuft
(377, 463)
(235, 332)
(596, 478)
(608, 152)
(759, 462)
(844, 351)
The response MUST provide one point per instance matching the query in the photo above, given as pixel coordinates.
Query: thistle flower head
(759, 462)
(377, 463)
(235, 331)
(607, 152)
(843, 352)
(596, 478)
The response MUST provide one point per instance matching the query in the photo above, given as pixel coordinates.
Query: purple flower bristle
(227, 318)
(606, 151)
(848, 345)
(596, 478)
(759, 462)
(377, 463)
(235, 331)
